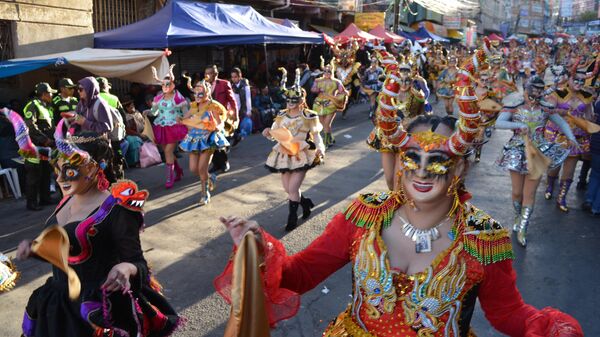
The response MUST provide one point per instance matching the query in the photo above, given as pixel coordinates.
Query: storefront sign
(370, 20)
(452, 22)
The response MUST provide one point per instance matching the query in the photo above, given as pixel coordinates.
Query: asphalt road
(187, 246)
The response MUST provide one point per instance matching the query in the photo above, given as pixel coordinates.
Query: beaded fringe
(370, 209)
(489, 246)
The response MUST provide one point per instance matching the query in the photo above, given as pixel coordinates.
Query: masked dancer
(332, 97)
(346, 69)
(576, 103)
(445, 83)
(117, 295)
(205, 121)
(526, 114)
(299, 148)
(420, 256)
(169, 106)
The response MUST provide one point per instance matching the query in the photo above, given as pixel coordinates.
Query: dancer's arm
(563, 125)
(504, 122)
(508, 313)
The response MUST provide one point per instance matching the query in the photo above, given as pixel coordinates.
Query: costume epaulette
(513, 100)
(372, 208)
(309, 114)
(485, 239)
(585, 96)
(126, 194)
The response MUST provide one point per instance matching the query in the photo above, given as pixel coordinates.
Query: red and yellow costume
(438, 301)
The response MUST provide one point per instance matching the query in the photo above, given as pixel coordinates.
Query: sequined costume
(209, 136)
(346, 67)
(332, 96)
(576, 104)
(513, 156)
(108, 236)
(305, 129)
(166, 129)
(445, 82)
(438, 301)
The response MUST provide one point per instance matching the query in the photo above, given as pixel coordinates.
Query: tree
(587, 16)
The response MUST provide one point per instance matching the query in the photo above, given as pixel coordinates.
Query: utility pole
(396, 15)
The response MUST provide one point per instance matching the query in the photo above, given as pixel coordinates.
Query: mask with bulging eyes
(67, 172)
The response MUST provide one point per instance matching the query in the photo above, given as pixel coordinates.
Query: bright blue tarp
(191, 23)
(12, 68)
(422, 34)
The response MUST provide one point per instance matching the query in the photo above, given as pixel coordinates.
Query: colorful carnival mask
(127, 193)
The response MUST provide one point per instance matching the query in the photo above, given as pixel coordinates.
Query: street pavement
(187, 246)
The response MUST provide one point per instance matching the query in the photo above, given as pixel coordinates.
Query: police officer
(38, 115)
(64, 101)
(118, 146)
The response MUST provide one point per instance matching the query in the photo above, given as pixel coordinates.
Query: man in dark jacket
(243, 99)
(64, 101)
(222, 93)
(38, 115)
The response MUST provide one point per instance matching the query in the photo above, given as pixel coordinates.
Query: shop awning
(191, 23)
(387, 37)
(353, 32)
(131, 65)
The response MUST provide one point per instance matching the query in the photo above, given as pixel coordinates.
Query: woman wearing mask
(168, 107)
(206, 135)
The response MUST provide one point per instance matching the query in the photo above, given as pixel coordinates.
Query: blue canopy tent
(191, 23)
(423, 34)
(12, 68)
(407, 35)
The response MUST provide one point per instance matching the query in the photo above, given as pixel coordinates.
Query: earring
(401, 194)
(103, 183)
(453, 192)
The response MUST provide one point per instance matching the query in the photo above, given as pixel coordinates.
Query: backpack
(118, 131)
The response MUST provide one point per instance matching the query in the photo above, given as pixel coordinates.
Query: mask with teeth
(126, 192)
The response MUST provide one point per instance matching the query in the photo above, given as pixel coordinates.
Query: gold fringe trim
(489, 246)
(372, 208)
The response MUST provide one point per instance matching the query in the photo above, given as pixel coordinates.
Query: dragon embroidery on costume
(373, 276)
(436, 296)
(124, 193)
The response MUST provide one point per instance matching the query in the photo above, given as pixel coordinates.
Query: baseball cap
(66, 83)
(44, 87)
(104, 83)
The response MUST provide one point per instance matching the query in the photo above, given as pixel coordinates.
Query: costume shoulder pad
(309, 114)
(126, 193)
(513, 100)
(373, 208)
(484, 238)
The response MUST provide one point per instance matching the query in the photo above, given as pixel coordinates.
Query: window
(111, 14)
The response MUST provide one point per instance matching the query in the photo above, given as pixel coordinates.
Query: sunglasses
(293, 100)
(327, 71)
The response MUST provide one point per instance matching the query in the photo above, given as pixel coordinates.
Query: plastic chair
(12, 177)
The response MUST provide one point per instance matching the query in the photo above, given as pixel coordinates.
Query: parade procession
(176, 168)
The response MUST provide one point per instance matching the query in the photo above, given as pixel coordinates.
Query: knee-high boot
(549, 187)
(204, 193)
(307, 206)
(517, 206)
(561, 199)
(178, 171)
(170, 175)
(525, 220)
(292, 221)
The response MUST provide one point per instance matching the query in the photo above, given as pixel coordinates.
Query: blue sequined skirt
(198, 140)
